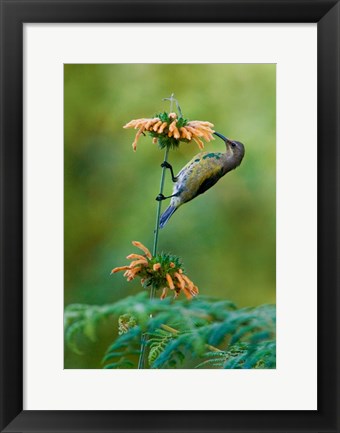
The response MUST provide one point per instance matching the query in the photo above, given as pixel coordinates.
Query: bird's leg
(161, 197)
(165, 164)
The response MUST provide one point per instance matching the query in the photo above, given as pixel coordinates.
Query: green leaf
(245, 337)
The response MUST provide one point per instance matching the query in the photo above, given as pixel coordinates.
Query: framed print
(232, 110)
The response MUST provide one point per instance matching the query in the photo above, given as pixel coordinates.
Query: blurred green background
(226, 237)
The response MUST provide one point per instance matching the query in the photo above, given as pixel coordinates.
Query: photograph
(170, 216)
(169, 203)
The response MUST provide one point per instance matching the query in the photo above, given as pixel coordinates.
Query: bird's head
(235, 147)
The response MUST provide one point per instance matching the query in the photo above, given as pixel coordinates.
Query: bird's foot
(160, 197)
(165, 164)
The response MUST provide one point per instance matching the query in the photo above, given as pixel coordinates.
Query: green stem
(158, 215)
(143, 342)
(176, 332)
(155, 240)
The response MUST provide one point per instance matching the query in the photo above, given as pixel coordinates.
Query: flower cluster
(163, 271)
(168, 130)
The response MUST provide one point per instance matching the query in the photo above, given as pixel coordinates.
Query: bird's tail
(166, 215)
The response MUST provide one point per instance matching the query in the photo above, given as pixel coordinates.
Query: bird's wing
(199, 174)
(190, 165)
(214, 174)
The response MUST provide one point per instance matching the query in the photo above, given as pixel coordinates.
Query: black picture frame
(326, 13)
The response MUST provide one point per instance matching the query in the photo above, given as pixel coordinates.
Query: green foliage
(202, 333)
(165, 141)
(158, 342)
(125, 323)
(169, 265)
(243, 355)
(125, 346)
(164, 117)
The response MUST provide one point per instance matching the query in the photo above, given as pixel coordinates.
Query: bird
(200, 174)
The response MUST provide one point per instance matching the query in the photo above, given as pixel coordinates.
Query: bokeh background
(226, 237)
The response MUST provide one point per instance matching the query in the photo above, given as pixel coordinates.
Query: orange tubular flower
(170, 130)
(170, 282)
(143, 248)
(120, 268)
(164, 292)
(164, 271)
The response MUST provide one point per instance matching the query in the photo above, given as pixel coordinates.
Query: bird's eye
(233, 144)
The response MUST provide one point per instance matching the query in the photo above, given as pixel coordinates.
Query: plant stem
(154, 252)
(158, 216)
(176, 332)
(142, 352)
(155, 240)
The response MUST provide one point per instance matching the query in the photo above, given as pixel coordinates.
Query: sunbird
(200, 174)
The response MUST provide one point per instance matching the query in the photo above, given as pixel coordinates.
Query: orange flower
(173, 129)
(164, 271)
(143, 248)
(169, 281)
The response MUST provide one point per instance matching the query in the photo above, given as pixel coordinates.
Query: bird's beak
(221, 136)
(225, 139)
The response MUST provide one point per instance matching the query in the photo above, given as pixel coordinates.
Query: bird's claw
(160, 197)
(165, 164)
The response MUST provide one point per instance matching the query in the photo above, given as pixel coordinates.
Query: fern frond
(202, 333)
(124, 347)
(158, 341)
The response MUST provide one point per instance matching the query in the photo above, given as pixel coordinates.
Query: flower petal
(170, 282)
(120, 268)
(143, 248)
(164, 293)
(177, 135)
(185, 133)
(157, 125)
(180, 280)
(135, 257)
(194, 290)
(134, 144)
(187, 293)
(139, 262)
(189, 283)
(200, 122)
(172, 126)
(131, 124)
(199, 142)
(135, 270)
(162, 127)
(151, 122)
